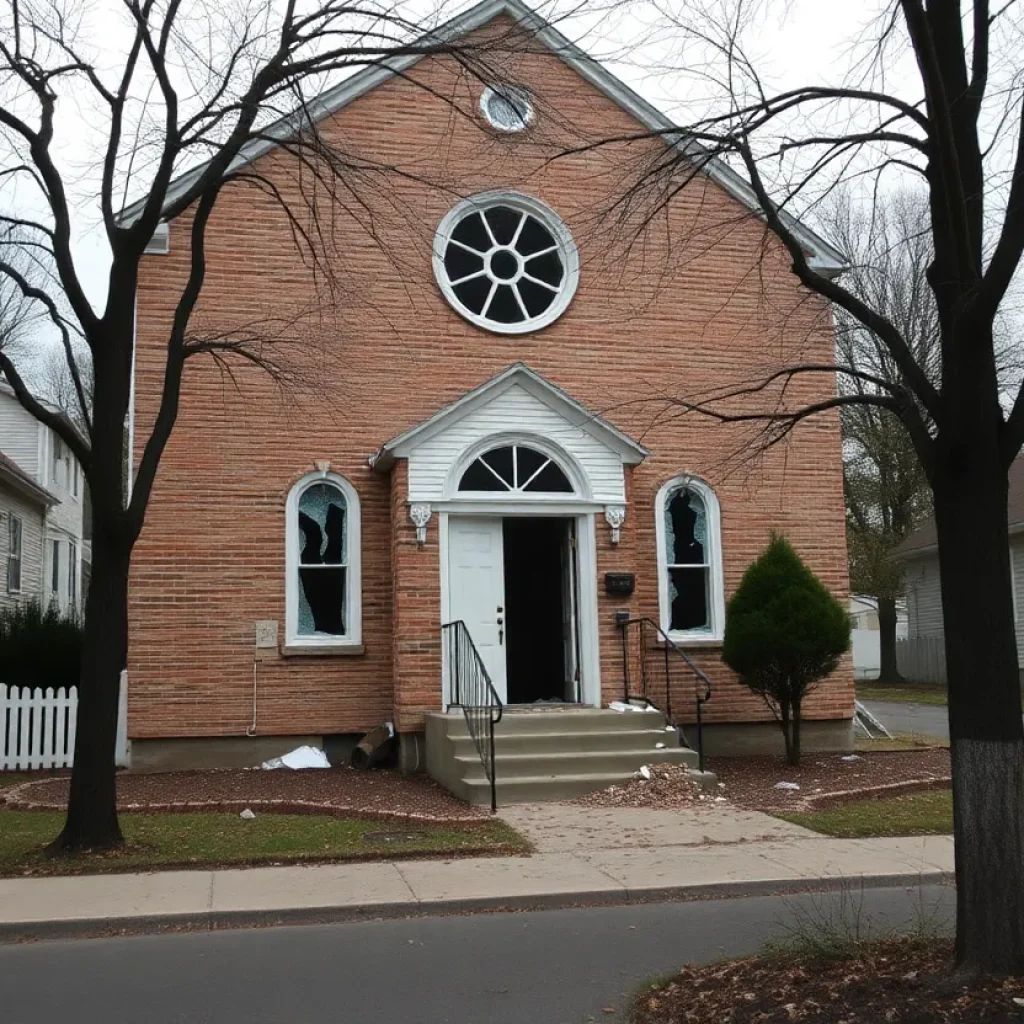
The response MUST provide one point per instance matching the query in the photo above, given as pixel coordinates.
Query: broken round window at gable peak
(323, 560)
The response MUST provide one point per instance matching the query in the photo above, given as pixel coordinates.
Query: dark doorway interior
(535, 626)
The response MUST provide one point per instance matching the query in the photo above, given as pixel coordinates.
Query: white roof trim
(540, 387)
(824, 257)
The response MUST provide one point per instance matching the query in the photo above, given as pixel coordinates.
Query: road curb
(213, 920)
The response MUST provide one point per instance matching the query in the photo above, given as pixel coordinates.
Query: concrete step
(569, 742)
(516, 722)
(536, 788)
(621, 763)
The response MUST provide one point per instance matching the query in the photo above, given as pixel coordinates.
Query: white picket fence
(37, 727)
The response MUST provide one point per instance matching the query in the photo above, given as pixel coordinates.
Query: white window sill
(696, 639)
(339, 650)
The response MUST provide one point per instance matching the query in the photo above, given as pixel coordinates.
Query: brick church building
(476, 424)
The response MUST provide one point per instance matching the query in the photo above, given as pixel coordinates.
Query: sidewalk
(583, 856)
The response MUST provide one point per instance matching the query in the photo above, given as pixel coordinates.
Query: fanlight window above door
(518, 469)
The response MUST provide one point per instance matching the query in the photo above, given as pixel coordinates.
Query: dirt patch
(752, 782)
(668, 787)
(899, 982)
(383, 795)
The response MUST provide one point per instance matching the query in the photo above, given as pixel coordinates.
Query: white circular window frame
(507, 93)
(527, 204)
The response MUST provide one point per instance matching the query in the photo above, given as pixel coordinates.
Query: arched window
(690, 588)
(516, 468)
(322, 547)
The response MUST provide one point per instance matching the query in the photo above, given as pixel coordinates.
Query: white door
(476, 589)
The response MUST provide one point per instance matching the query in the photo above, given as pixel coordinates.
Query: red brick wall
(696, 302)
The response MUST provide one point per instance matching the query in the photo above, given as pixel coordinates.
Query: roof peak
(824, 257)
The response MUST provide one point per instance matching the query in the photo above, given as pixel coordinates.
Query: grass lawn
(900, 741)
(206, 840)
(917, 814)
(907, 693)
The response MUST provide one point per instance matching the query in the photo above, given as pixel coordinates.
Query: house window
(14, 546)
(515, 468)
(72, 573)
(690, 586)
(506, 108)
(506, 262)
(55, 568)
(323, 562)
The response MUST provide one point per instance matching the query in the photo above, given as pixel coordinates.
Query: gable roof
(823, 256)
(540, 387)
(925, 541)
(14, 476)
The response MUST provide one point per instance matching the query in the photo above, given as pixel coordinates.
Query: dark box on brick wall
(620, 584)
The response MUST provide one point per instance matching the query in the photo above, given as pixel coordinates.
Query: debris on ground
(667, 787)
(787, 785)
(892, 980)
(247, 814)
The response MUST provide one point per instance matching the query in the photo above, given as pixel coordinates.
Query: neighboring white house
(865, 638)
(24, 506)
(46, 460)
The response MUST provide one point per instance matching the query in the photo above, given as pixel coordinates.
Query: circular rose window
(506, 262)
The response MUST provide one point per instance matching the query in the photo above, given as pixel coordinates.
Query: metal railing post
(700, 735)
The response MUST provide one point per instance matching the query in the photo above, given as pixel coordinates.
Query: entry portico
(516, 477)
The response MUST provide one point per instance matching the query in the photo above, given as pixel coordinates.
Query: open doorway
(540, 610)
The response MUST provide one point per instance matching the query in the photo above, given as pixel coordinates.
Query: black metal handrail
(654, 683)
(471, 689)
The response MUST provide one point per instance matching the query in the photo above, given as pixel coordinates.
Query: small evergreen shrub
(39, 647)
(784, 632)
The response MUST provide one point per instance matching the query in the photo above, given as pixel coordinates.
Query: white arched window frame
(576, 477)
(714, 630)
(353, 610)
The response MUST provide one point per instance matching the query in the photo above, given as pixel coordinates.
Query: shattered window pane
(688, 597)
(323, 560)
(686, 547)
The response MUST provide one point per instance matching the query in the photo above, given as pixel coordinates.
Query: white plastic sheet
(300, 757)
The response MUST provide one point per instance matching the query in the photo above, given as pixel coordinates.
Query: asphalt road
(544, 967)
(922, 719)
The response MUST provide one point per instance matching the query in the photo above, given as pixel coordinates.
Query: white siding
(1017, 564)
(19, 435)
(514, 411)
(32, 560)
(924, 597)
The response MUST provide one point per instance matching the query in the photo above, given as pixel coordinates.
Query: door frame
(586, 569)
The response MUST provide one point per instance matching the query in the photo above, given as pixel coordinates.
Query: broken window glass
(323, 560)
(686, 550)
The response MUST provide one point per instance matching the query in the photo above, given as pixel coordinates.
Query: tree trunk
(794, 746)
(888, 672)
(92, 806)
(987, 739)
(784, 722)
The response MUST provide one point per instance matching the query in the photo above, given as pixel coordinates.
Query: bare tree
(186, 96)
(885, 487)
(956, 128)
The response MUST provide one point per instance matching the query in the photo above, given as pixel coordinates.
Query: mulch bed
(376, 794)
(749, 782)
(826, 779)
(890, 982)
